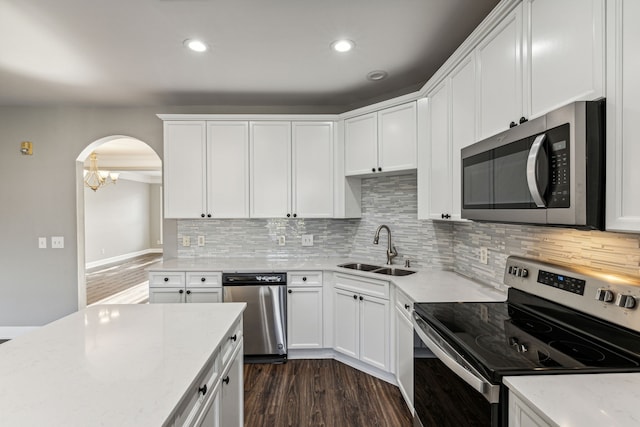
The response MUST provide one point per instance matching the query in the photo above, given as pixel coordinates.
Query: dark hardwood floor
(306, 393)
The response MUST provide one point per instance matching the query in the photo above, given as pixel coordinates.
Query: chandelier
(95, 178)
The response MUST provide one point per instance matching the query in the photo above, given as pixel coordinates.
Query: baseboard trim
(123, 257)
(11, 332)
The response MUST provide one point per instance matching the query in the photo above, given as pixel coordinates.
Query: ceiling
(275, 52)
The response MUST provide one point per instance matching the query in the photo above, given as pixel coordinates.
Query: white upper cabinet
(383, 141)
(312, 169)
(185, 169)
(270, 181)
(499, 73)
(623, 116)
(565, 44)
(228, 169)
(291, 169)
(439, 153)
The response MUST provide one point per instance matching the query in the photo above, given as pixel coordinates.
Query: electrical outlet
(57, 242)
(200, 240)
(186, 241)
(484, 313)
(281, 241)
(307, 240)
(484, 255)
(42, 242)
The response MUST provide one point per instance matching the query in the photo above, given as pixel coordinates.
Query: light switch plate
(281, 241)
(307, 240)
(42, 242)
(57, 242)
(186, 241)
(200, 240)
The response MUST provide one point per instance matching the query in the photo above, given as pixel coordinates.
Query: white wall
(117, 220)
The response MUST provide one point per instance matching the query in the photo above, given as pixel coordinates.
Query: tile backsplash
(392, 200)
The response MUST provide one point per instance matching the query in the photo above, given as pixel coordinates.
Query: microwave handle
(536, 161)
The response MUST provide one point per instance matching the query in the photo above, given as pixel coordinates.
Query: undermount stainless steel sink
(392, 271)
(389, 271)
(359, 266)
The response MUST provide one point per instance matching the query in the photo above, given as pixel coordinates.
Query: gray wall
(117, 220)
(155, 216)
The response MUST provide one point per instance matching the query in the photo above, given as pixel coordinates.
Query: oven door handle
(488, 390)
(538, 171)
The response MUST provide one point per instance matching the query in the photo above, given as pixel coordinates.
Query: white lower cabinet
(232, 393)
(304, 310)
(404, 347)
(521, 415)
(181, 287)
(361, 320)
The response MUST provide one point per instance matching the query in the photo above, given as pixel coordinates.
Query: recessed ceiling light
(196, 45)
(342, 45)
(377, 75)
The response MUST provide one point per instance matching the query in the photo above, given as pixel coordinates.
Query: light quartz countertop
(426, 285)
(589, 400)
(110, 365)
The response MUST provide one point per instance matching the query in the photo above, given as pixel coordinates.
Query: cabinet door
(623, 116)
(304, 317)
(500, 76)
(565, 45)
(312, 169)
(228, 169)
(397, 138)
(520, 415)
(374, 332)
(346, 322)
(439, 153)
(166, 295)
(270, 169)
(184, 168)
(404, 355)
(361, 144)
(204, 295)
(463, 124)
(232, 394)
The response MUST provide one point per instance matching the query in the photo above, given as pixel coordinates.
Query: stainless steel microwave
(550, 170)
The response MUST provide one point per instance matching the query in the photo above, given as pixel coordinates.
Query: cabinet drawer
(166, 279)
(404, 303)
(364, 285)
(231, 342)
(305, 278)
(207, 279)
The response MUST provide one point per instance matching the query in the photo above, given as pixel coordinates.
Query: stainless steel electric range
(556, 320)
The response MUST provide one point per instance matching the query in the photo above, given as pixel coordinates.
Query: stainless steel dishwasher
(265, 319)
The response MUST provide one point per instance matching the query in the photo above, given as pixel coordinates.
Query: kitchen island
(124, 365)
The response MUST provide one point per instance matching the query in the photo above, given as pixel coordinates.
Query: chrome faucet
(391, 250)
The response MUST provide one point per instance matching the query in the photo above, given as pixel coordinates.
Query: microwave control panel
(559, 167)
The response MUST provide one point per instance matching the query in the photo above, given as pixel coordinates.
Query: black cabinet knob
(304, 278)
(373, 169)
(166, 279)
(407, 306)
(181, 291)
(203, 279)
(203, 389)
(290, 291)
(355, 297)
(445, 216)
(522, 120)
(295, 215)
(379, 169)
(226, 380)
(208, 215)
(202, 215)
(361, 298)
(234, 337)
(512, 124)
(188, 292)
(288, 215)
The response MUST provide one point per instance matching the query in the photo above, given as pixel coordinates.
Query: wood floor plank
(326, 393)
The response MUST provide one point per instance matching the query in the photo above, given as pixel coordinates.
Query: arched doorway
(121, 220)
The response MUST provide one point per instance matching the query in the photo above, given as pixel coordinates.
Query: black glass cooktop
(528, 335)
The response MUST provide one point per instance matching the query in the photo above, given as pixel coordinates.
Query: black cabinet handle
(208, 215)
(512, 124)
(203, 279)
(290, 291)
(166, 279)
(234, 337)
(407, 306)
(373, 169)
(355, 297)
(288, 215)
(522, 120)
(203, 389)
(188, 292)
(445, 216)
(304, 278)
(295, 215)
(226, 380)
(181, 291)
(361, 298)
(379, 169)
(202, 215)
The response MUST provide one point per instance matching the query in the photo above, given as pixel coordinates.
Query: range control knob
(522, 272)
(604, 295)
(625, 301)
